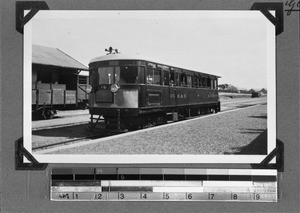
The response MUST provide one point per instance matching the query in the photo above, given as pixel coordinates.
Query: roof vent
(110, 50)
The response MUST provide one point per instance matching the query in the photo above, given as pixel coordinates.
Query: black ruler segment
(218, 177)
(84, 177)
(62, 177)
(240, 177)
(75, 183)
(106, 177)
(264, 178)
(152, 177)
(196, 177)
(129, 177)
(173, 177)
(127, 189)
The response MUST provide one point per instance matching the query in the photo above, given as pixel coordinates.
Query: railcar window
(203, 82)
(117, 75)
(172, 81)
(153, 76)
(129, 75)
(166, 78)
(208, 83)
(189, 80)
(200, 82)
(214, 84)
(142, 74)
(149, 76)
(195, 81)
(93, 77)
(156, 76)
(106, 75)
(128, 62)
(183, 81)
(178, 79)
(103, 63)
(113, 63)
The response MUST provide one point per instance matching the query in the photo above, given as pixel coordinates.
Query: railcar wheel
(83, 105)
(161, 118)
(49, 113)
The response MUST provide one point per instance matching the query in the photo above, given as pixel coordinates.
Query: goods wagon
(49, 97)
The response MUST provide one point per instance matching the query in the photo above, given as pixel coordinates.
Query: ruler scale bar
(159, 184)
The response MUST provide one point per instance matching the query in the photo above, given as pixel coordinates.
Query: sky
(232, 44)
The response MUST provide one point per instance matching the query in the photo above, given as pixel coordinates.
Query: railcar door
(172, 89)
(173, 96)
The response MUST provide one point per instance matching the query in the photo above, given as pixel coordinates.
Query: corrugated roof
(55, 57)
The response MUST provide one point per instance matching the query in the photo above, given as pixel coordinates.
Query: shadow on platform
(259, 146)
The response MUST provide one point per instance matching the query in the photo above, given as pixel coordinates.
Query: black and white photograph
(149, 86)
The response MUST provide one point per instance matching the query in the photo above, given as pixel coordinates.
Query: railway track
(59, 126)
(101, 133)
(66, 142)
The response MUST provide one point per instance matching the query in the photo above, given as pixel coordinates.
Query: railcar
(131, 92)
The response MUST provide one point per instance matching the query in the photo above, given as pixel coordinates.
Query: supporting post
(92, 119)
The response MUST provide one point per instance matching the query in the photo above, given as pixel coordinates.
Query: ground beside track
(70, 126)
(236, 132)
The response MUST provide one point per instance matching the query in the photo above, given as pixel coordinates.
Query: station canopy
(54, 57)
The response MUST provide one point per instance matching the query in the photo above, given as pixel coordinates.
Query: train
(132, 92)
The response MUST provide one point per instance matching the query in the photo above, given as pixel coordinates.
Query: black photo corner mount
(265, 9)
(33, 7)
(21, 152)
(277, 152)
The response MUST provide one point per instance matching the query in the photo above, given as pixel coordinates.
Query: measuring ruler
(163, 184)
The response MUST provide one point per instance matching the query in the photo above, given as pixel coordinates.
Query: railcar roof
(121, 56)
(54, 57)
